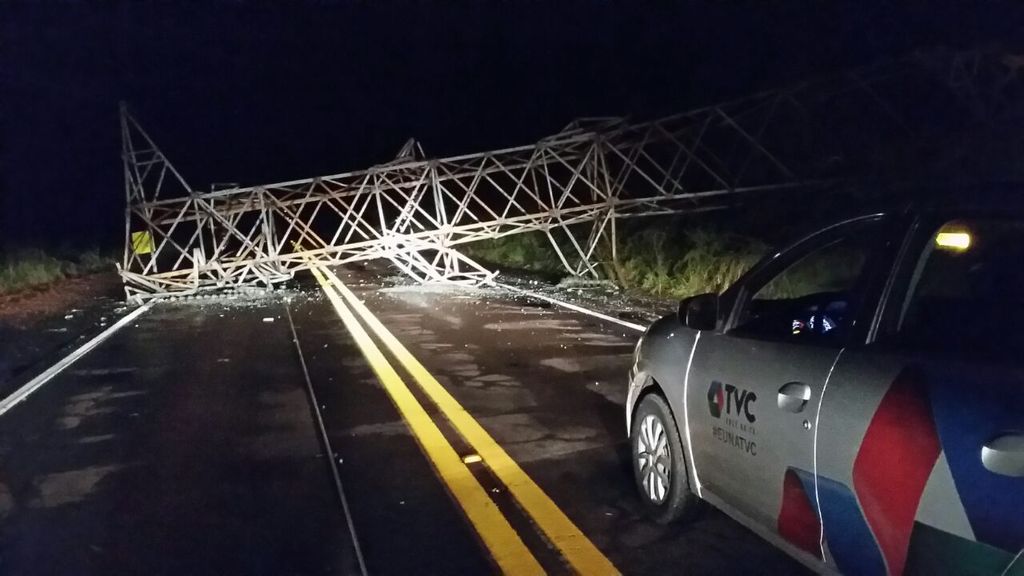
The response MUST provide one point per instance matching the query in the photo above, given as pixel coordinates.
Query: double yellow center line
(501, 540)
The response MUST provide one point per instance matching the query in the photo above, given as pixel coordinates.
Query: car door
(754, 385)
(920, 446)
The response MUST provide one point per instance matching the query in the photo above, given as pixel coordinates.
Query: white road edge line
(637, 327)
(34, 384)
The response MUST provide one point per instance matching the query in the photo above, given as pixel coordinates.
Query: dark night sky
(256, 92)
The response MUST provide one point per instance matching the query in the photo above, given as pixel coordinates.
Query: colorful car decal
(798, 520)
(970, 410)
(872, 529)
(854, 548)
(892, 467)
(933, 551)
(849, 538)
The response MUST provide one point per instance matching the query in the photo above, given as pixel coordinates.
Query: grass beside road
(678, 263)
(28, 268)
(528, 251)
(658, 259)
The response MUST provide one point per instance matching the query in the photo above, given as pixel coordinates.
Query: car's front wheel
(659, 465)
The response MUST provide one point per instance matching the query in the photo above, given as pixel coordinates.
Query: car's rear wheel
(659, 466)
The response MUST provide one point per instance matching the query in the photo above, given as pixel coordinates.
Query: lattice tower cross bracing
(572, 186)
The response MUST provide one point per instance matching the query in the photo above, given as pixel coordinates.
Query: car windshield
(967, 292)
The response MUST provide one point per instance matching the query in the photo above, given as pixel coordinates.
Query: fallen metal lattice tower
(572, 186)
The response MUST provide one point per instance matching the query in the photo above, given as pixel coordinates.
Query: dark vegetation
(684, 255)
(31, 267)
(662, 259)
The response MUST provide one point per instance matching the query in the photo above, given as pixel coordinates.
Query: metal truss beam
(572, 186)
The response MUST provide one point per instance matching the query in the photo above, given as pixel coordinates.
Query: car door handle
(1004, 455)
(794, 396)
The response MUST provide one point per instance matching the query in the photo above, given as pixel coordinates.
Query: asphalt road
(187, 444)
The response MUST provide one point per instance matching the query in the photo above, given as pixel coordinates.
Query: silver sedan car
(856, 399)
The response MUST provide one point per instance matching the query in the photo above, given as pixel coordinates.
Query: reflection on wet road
(187, 444)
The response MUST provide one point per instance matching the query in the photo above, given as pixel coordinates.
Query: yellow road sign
(142, 242)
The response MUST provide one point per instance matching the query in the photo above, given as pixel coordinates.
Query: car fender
(661, 360)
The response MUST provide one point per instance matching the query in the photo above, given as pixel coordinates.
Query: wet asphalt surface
(186, 444)
(25, 352)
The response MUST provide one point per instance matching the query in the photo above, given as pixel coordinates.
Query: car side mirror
(699, 312)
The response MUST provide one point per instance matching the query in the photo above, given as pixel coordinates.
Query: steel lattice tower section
(573, 186)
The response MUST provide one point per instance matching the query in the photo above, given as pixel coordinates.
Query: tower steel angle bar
(572, 186)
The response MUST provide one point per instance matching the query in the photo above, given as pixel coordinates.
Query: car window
(966, 295)
(815, 298)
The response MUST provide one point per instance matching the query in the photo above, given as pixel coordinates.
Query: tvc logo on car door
(730, 400)
(735, 406)
(761, 379)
